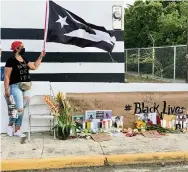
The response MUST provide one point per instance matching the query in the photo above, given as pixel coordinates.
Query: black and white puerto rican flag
(67, 28)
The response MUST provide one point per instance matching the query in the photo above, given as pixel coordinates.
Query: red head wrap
(15, 45)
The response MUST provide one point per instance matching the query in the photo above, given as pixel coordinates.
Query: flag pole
(111, 57)
(45, 26)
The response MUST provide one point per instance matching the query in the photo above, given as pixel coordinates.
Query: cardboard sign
(151, 134)
(169, 117)
(100, 137)
(129, 121)
(130, 102)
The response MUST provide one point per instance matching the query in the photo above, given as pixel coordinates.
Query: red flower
(150, 123)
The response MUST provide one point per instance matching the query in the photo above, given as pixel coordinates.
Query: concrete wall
(41, 88)
(69, 62)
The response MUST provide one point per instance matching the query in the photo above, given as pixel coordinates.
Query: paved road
(154, 168)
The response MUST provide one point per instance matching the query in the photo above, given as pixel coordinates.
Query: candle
(181, 124)
(84, 125)
(92, 125)
(161, 123)
(184, 124)
(109, 125)
(88, 125)
(118, 122)
(164, 123)
(106, 124)
(173, 123)
(170, 124)
(103, 124)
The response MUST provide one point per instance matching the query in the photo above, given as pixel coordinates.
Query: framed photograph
(150, 116)
(100, 114)
(79, 120)
(107, 114)
(116, 120)
(90, 115)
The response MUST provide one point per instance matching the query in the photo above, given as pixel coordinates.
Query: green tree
(165, 21)
(140, 20)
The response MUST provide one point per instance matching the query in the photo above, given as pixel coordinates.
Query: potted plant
(62, 110)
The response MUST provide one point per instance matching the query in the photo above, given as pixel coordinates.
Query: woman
(17, 73)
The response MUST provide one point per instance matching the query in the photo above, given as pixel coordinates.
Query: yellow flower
(140, 124)
(60, 96)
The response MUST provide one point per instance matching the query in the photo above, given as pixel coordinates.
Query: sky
(128, 2)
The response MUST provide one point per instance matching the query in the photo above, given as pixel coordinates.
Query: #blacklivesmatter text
(166, 109)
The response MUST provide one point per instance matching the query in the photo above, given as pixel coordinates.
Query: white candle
(84, 125)
(184, 124)
(164, 123)
(118, 124)
(181, 123)
(106, 124)
(110, 123)
(92, 125)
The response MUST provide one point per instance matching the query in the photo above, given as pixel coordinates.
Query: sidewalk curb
(147, 158)
(99, 160)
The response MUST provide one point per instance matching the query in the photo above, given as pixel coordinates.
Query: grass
(140, 79)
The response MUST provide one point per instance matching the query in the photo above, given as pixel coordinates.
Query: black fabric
(56, 33)
(38, 34)
(22, 51)
(20, 70)
(73, 57)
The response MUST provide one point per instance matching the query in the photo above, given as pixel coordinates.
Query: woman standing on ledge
(17, 83)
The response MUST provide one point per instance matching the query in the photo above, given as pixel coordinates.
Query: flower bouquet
(62, 110)
(140, 125)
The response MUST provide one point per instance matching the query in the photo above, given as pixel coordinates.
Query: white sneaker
(19, 134)
(10, 131)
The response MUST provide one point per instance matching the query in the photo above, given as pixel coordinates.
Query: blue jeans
(18, 95)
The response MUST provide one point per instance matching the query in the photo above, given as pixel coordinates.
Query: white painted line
(37, 45)
(79, 68)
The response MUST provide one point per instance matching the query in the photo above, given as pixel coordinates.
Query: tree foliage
(158, 23)
(165, 21)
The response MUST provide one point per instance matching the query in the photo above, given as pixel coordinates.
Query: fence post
(174, 63)
(126, 59)
(153, 64)
(138, 61)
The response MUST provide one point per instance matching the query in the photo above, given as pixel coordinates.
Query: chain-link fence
(167, 63)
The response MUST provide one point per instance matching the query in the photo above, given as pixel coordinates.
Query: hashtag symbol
(127, 107)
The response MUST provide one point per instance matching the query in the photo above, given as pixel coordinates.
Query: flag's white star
(62, 21)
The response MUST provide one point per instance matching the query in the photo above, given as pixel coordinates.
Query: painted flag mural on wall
(66, 59)
(67, 28)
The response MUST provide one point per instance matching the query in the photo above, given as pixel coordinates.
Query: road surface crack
(42, 147)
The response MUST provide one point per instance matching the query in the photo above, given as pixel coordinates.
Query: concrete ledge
(86, 161)
(52, 163)
(147, 158)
